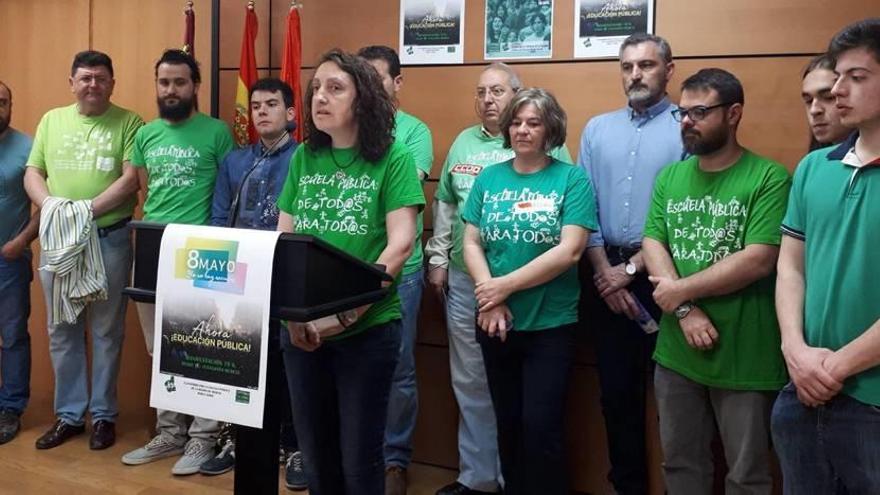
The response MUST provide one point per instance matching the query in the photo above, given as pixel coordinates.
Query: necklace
(333, 156)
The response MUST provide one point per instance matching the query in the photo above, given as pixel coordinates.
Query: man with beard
(711, 242)
(17, 230)
(177, 157)
(623, 151)
(81, 152)
(475, 148)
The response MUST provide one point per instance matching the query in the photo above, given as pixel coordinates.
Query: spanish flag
(291, 63)
(243, 128)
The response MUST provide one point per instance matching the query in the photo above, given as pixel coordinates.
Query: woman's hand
(496, 321)
(491, 293)
(304, 335)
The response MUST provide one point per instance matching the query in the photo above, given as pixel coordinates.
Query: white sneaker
(197, 452)
(159, 447)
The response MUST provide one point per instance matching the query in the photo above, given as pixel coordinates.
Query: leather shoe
(457, 488)
(395, 480)
(58, 434)
(103, 435)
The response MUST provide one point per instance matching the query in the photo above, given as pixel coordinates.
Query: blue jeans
(403, 403)
(339, 397)
(479, 466)
(67, 342)
(528, 377)
(15, 355)
(830, 449)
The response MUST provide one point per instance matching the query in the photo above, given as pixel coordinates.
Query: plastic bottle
(644, 319)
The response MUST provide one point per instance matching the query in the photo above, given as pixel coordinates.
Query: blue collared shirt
(257, 205)
(622, 151)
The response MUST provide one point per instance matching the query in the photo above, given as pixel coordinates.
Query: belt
(621, 253)
(105, 231)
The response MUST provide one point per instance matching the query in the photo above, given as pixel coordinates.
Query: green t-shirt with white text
(520, 216)
(339, 197)
(181, 160)
(471, 152)
(703, 217)
(83, 155)
(416, 136)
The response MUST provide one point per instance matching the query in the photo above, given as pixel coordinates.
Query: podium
(310, 279)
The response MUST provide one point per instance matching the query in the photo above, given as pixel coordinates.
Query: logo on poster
(211, 264)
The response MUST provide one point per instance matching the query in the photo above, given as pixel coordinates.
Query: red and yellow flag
(243, 128)
(291, 63)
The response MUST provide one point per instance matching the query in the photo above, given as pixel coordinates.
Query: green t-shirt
(833, 208)
(344, 202)
(471, 152)
(520, 216)
(416, 136)
(703, 217)
(181, 160)
(82, 156)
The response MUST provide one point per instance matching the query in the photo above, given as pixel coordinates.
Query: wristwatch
(630, 268)
(347, 318)
(683, 310)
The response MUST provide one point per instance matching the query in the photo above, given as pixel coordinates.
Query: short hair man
(711, 242)
(623, 151)
(17, 230)
(403, 399)
(82, 152)
(245, 196)
(825, 421)
(475, 148)
(177, 156)
(822, 113)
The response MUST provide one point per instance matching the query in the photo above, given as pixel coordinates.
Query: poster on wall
(212, 321)
(431, 31)
(518, 29)
(600, 26)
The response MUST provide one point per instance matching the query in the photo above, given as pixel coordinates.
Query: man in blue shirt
(245, 196)
(17, 230)
(623, 151)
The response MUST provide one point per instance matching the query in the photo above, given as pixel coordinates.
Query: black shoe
(456, 488)
(221, 463)
(294, 472)
(10, 424)
(58, 434)
(103, 435)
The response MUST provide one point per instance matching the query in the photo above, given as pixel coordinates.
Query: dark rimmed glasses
(696, 113)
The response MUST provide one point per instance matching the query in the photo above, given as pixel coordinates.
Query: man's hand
(810, 374)
(13, 249)
(622, 302)
(491, 293)
(667, 293)
(438, 279)
(699, 330)
(304, 335)
(611, 279)
(496, 321)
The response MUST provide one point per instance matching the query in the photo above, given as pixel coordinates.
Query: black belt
(621, 253)
(105, 231)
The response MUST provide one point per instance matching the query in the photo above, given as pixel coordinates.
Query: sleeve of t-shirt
(137, 151)
(794, 224)
(473, 207)
(288, 192)
(132, 125)
(444, 189)
(579, 204)
(402, 187)
(222, 199)
(420, 145)
(765, 217)
(224, 142)
(655, 222)
(37, 157)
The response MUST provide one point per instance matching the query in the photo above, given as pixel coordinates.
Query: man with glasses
(623, 151)
(82, 152)
(475, 148)
(711, 243)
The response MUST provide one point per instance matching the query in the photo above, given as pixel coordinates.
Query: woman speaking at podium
(352, 186)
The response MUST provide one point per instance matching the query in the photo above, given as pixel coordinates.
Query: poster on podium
(213, 290)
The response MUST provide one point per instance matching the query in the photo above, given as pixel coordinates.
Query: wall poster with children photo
(518, 29)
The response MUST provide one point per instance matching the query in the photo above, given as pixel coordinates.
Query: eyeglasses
(696, 113)
(495, 91)
(87, 79)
